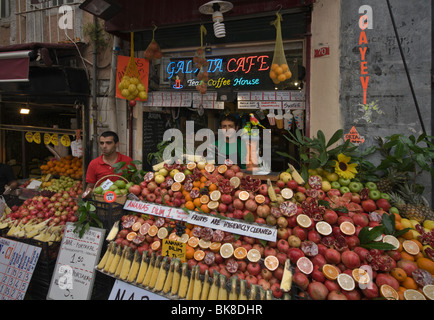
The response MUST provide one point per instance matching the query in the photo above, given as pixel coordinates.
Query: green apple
(374, 194)
(371, 185)
(187, 172)
(344, 189)
(118, 192)
(355, 186)
(98, 190)
(113, 187)
(335, 185)
(394, 210)
(344, 182)
(124, 191)
(121, 184)
(385, 196)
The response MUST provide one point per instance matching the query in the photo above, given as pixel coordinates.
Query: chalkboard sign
(154, 125)
(17, 263)
(74, 272)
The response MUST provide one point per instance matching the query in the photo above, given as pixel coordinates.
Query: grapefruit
(153, 230)
(199, 255)
(303, 220)
(215, 195)
(144, 229)
(184, 238)
(410, 247)
(305, 265)
(179, 177)
(361, 276)
(243, 195)
(193, 242)
(226, 250)
(391, 240)
(235, 181)
(204, 244)
(130, 236)
(253, 255)
(162, 233)
(347, 228)
(191, 165)
(428, 291)
(323, 228)
(412, 294)
(209, 168)
(213, 205)
(287, 193)
(388, 292)
(346, 282)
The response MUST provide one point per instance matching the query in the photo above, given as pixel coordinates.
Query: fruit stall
(202, 231)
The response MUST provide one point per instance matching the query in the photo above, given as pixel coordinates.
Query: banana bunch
(295, 175)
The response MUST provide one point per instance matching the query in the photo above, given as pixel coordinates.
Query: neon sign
(243, 64)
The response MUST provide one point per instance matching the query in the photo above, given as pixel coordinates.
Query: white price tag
(106, 184)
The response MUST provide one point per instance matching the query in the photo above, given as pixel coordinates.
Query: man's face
(229, 128)
(107, 145)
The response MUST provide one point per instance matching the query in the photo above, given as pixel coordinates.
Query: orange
(131, 235)
(426, 264)
(401, 293)
(288, 74)
(411, 247)
(407, 256)
(222, 168)
(209, 168)
(361, 276)
(197, 202)
(212, 187)
(330, 271)
(388, 292)
(187, 197)
(419, 244)
(156, 245)
(273, 75)
(196, 184)
(274, 66)
(199, 255)
(204, 199)
(205, 208)
(399, 274)
(215, 246)
(153, 230)
(193, 242)
(409, 283)
(189, 252)
(398, 226)
(408, 235)
(189, 205)
(281, 77)
(203, 179)
(397, 217)
(240, 253)
(271, 262)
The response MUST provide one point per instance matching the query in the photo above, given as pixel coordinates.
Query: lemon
(415, 234)
(333, 177)
(414, 223)
(429, 224)
(406, 223)
(325, 186)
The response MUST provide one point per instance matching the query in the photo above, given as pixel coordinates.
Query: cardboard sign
(74, 272)
(142, 68)
(125, 291)
(173, 249)
(156, 210)
(17, 263)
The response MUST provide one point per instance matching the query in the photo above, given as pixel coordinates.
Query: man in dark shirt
(7, 178)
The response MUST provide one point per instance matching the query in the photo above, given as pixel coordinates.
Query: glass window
(5, 8)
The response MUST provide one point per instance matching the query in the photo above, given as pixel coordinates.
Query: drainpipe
(94, 100)
(112, 94)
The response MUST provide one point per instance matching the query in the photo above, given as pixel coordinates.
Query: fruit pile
(132, 88)
(43, 217)
(280, 73)
(68, 166)
(343, 242)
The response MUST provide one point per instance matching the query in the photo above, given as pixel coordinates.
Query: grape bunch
(180, 229)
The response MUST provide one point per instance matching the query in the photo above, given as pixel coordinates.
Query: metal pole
(94, 96)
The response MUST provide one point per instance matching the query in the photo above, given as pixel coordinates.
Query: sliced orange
(144, 229)
(176, 186)
(305, 265)
(191, 165)
(213, 205)
(162, 233)
(253, 255)
(361, 276)
(209, 167)
(204, 199)
(347, 228)
(204, 244)
(173, 236)
(136, 226)
(156, 245)
(410, 247)
(243, 195)
(226, 250)
(388, 292)
(271, 262)
(287, 193)
(184, 238)
(179, 177)
(199, 255)
(260, 199)
(346, 282)
(215, 195)
(222, 168)
(412, 294)
(193, 242)
(240, 253)
(153, 230)
(391, 240)
(330, 271)
(215, 246)
(130, 236)
(323, 228)
(304, 220)
(235, 182)
(428, 291)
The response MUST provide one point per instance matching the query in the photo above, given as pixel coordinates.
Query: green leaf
(249, 217)
(366, 236)
(388, 221)
(336, 137)
(378, 245)
(399, 233)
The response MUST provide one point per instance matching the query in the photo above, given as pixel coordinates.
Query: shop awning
(14, 66)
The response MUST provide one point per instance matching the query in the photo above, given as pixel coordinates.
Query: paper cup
(299, 118)
(287, 120)
(279, 121)
(271, 119)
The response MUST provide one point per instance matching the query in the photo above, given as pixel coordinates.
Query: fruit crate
(108, 213)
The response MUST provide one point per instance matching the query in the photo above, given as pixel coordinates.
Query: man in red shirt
(103, 165)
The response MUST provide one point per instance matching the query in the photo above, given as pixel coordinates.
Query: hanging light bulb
(216, 9)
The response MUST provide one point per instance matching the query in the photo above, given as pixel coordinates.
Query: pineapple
(388, 183)
(411, 205)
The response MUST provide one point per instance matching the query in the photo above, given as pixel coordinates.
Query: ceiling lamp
(216, 9)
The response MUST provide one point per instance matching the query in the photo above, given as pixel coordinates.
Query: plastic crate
(108, 213)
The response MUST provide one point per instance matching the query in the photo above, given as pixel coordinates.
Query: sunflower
(344, 169)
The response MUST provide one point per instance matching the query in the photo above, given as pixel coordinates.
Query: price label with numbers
(74, 272)
(173, 249)
(17, 263)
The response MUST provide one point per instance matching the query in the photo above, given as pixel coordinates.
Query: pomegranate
(317, 291)
(301, 280)
(336, 295)
(385, 278)
(350, 259)
(332, 256)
